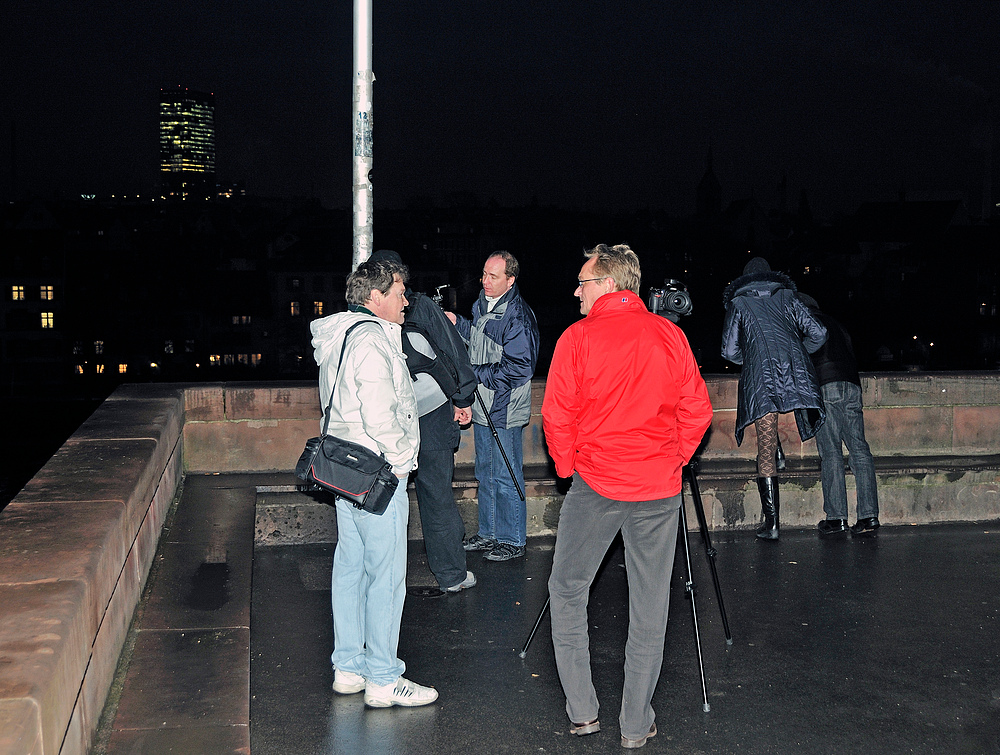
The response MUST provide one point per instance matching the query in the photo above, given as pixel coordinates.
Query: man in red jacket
(625, 409)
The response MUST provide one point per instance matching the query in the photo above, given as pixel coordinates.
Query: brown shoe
(590, 727)
(631, 744)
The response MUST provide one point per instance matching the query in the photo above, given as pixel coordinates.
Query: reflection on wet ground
(885, 644)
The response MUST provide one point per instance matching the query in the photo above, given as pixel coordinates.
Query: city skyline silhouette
(593, 108)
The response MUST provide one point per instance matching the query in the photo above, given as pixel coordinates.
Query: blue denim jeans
(845, 423)
(369, 585)
(502, 514)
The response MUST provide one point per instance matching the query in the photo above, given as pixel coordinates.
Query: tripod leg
(689, 587)
(699, 511)
(496, 437)
(538, 621)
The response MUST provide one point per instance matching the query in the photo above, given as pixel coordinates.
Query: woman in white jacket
(373, 404)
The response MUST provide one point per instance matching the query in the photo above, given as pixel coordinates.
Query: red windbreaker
(625, 405)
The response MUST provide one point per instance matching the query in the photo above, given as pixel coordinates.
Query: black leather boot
(768, 487)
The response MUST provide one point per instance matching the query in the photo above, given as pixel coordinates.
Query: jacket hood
(328, 332)
(757, 282)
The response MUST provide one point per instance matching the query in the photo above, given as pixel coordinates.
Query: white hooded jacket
(374, 404)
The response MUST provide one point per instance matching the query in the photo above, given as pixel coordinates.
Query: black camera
(445, 297)
(672, 301)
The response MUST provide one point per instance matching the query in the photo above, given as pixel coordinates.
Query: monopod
(496, 437)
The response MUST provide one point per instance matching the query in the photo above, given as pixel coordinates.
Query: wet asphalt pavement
(881, 645)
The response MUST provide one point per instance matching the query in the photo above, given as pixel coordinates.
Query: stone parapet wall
(76, 545)
(244, 427)
(936, 437)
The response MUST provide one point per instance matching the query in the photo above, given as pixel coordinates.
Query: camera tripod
(690, 471)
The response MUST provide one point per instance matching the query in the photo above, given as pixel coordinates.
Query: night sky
(593, 105)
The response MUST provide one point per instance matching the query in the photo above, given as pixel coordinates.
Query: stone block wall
(76, 545)
(235, 427)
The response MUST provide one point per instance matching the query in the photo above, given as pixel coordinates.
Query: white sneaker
(400, 692)
(347, 682)
(470, 581)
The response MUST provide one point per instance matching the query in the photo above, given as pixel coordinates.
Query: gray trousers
(588, 523)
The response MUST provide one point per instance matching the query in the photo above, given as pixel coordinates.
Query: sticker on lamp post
(363, 135)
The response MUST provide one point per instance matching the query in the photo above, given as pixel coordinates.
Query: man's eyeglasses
(579, 284)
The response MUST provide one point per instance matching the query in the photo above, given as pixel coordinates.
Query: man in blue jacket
(503, 346)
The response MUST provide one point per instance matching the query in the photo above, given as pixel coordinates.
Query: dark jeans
(439, 518)
(845, 423)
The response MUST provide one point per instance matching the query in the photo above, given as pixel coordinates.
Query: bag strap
(336, 378)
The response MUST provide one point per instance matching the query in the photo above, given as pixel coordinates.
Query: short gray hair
(378, 275)
(619, 263)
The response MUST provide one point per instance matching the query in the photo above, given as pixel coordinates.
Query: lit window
(98, 347)
(255, 360)
(48, 320)
(99, 369)
(227, 359)
(77, 348)
(17, 293)
(318, 308)
(243, 358)
(47, 293)
(236, 319)
(295, 309)
(78, 369)
(241, 319)
(214, 360)
(168, 347)
(122, 369)
(295, 283)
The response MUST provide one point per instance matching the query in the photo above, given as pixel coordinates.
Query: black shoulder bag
(344, 468)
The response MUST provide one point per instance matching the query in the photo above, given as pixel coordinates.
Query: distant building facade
(187, 143)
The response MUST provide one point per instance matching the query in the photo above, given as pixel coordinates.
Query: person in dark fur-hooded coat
(771, 334)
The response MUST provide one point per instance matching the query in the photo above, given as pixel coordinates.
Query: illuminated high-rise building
(187, 143)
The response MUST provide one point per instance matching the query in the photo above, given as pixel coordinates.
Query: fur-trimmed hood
(757, 282)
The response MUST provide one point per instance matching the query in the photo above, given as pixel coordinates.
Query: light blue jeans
(845, 423)
(503, 515)
(369, 586)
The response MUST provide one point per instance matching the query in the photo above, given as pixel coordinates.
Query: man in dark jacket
(837, 371)
(445, 385)
(503, 346)
(771, 334)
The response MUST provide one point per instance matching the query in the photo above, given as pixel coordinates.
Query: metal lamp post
(364, 78)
